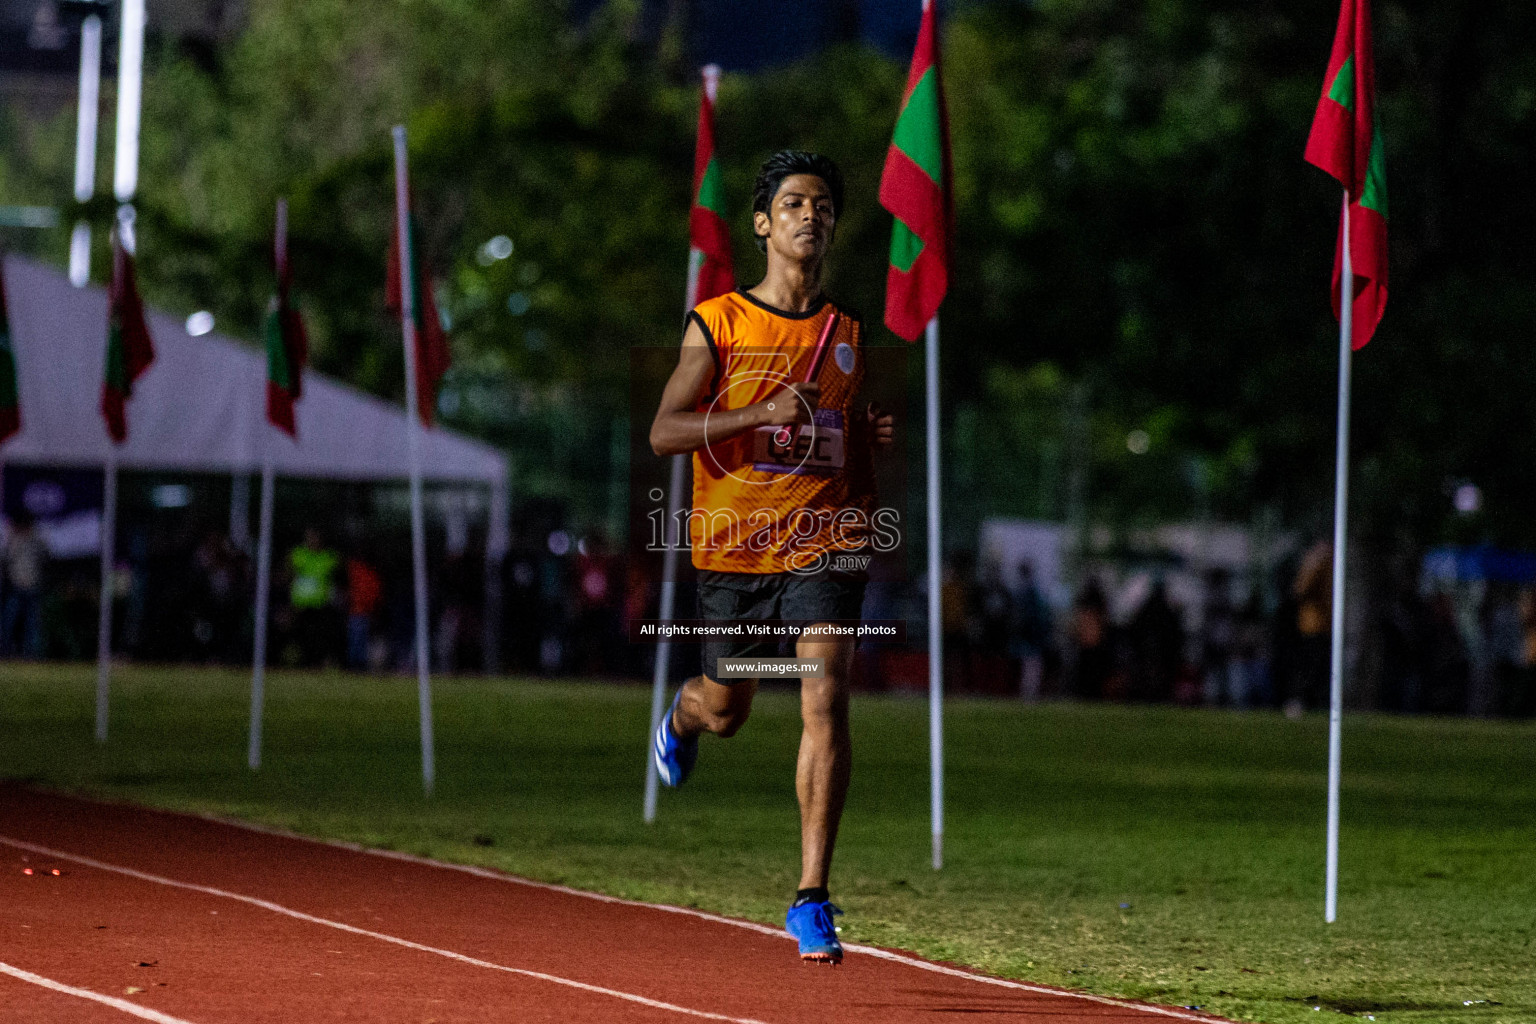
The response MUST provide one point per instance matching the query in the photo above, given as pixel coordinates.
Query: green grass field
(1156, 853)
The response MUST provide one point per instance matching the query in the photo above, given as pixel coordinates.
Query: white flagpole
(85, 147)
(670, 534)
(263, 599)
(413, 448)
(935, 608)
(130, 83)
(672, 539)
(104, 611)
(264, 539)
(1340, 513)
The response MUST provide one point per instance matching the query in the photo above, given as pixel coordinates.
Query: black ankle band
(818, 895)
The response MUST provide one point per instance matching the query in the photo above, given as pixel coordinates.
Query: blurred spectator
(70, 615)
(993, 606)
(983, 661)
(1502, 649)
(1251, 678)
(1088, 639)
(26, 561)
(554, 612)
(136, 610)
(311, 595)
(1030, 632)
(456, 641)
(400, 618)
(521, 637)
(365, 591)
(955, 607)
(1445, 658)
(639, 659)
(1285, 641)
(882, 600)
(1520, 701)
(1218, 639)
(1313, 592)
(171, 593)
(1403, 631)
(219, 600)
(1157, 646)
(597, 598)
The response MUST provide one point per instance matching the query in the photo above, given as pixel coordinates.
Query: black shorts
(786, 596)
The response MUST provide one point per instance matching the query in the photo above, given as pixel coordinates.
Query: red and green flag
(708, 233)
(10, 404)
(432, 357)
(129, 348)
(1346, 143)
(916, 188)
(287, 342)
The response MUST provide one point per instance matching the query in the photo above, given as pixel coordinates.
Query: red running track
(186, 920)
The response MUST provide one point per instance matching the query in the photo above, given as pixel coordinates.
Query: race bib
(810, 448)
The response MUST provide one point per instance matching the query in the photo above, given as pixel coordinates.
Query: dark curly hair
(787, 162)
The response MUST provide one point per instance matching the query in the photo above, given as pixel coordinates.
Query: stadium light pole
(413, 454)
(85, 147)
(1340, 520)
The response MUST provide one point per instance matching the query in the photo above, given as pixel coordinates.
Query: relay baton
(818, 357)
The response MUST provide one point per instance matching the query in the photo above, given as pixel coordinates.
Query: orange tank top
(762, 507)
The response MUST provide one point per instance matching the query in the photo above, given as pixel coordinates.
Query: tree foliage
(1135, 228)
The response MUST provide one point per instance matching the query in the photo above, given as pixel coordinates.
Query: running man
(774, 508)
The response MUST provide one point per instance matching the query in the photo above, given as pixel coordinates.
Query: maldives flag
(10, 407)
(708, 234)
(432, 358)
(129, 348)
(1346, 143)
(287, 342)
(915, 187)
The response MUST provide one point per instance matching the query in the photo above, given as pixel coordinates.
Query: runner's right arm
(679, 428)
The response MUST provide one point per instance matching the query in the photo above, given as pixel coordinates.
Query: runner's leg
(708, 706)
(826, 757)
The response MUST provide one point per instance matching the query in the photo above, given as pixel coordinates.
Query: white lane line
(299, 915)
(85, 993)
(883, 954)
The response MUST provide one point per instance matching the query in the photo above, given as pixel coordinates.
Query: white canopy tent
(200, 407)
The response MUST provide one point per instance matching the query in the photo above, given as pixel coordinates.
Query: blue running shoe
(674, 756)
(811, 923)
